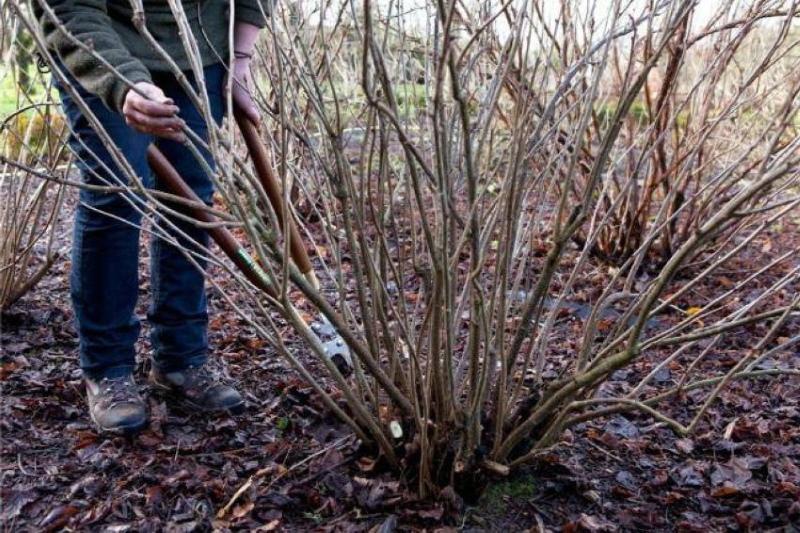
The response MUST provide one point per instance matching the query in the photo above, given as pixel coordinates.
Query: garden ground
(288, 465)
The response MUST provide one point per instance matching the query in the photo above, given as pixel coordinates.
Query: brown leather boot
(199, 389)
(115, 405)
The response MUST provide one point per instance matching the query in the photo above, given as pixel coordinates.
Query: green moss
(499, 495)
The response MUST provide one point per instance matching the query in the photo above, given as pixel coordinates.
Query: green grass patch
(605, 113)
(8, 95)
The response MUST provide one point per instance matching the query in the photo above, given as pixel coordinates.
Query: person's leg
(104, 278)
(178, 312)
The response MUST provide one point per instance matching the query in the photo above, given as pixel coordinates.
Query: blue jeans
(104, 282)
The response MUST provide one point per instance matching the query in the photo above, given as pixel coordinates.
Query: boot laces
(201, 377)
(117, 390)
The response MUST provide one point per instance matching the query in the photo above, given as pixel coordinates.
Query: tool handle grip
(261, 161)
(176, 185)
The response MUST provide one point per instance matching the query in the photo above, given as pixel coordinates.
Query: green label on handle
(253, 266)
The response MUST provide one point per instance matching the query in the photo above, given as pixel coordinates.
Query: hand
(153, 113)
(240, 92)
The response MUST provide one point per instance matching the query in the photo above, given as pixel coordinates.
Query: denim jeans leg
(104, 281)
(178, 313)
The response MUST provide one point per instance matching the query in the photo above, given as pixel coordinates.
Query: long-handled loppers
(331, 342)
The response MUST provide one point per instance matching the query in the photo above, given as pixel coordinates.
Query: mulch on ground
(288, 465)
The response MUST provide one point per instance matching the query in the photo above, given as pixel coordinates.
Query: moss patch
(499, 495)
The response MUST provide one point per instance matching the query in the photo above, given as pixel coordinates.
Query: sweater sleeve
(88, 21)
(250, 11)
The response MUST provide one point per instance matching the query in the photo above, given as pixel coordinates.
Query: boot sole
(128, 430)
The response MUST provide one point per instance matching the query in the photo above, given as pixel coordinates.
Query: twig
(249, 483)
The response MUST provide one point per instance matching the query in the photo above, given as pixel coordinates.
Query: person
(104, 278)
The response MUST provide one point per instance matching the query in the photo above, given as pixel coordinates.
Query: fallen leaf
(387, 526)
(725, 491)
(14, 501)
(153, 495)
(729, 429)
(58, 517)
(272, 526)
(242, 510)
(685, 445)
(594, 524)
(6, 369)
(622, 427)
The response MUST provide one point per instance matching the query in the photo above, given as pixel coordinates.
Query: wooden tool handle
(261, 161)
(225, 240)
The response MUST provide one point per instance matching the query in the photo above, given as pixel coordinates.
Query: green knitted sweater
(106, 25)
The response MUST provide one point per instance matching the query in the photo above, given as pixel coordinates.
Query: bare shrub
(444, 165)
(32, 137)
(705, 105)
